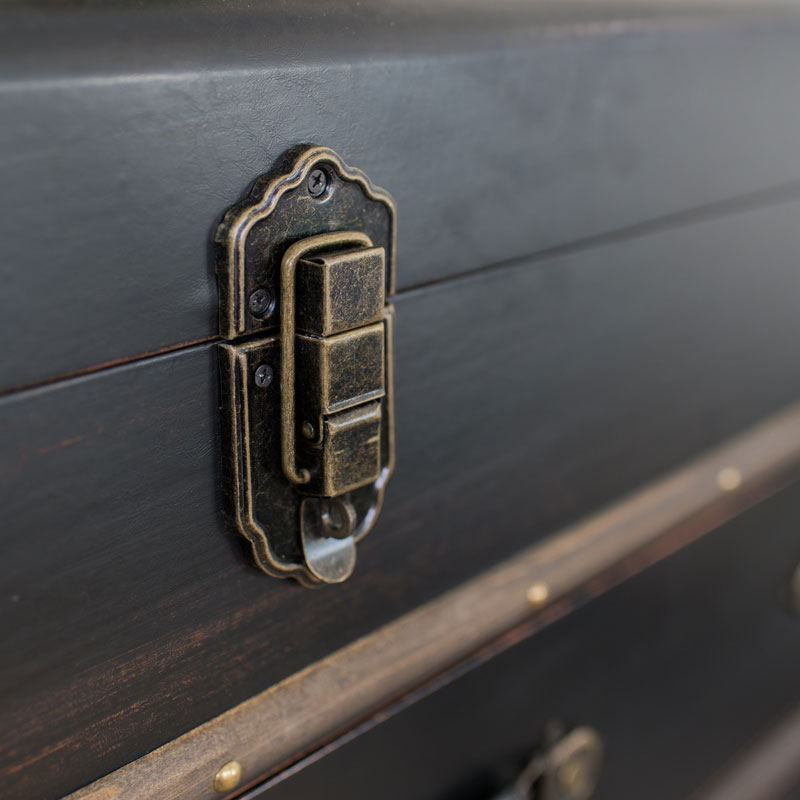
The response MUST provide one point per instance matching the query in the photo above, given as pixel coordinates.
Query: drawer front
(677, 669)
(139, 615)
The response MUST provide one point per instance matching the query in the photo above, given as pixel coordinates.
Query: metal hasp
(306, 268)
(567, 767)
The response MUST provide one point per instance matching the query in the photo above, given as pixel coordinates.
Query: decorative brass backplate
(306, 268)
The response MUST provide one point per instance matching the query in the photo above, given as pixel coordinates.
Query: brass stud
(228, 777)
(729, 479)
(538, 593)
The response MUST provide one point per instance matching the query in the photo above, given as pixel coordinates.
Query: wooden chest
(591, 521)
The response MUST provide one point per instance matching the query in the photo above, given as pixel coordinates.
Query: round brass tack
(729, 478)
(228, 777)
(538, 593)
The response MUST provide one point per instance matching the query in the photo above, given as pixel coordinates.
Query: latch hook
(296, 252)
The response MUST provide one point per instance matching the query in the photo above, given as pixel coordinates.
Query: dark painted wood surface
(502, 129)
(677, 669)
(526, 397)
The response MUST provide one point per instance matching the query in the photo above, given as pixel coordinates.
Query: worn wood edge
(274, 728)
(659, 548)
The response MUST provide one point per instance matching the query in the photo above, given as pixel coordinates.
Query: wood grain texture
(502, 129)
(677, 669)
(332, 695)
(526, 398)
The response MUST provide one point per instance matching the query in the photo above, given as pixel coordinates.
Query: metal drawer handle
(568, 769)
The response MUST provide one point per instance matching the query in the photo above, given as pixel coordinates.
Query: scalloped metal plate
(251, 241)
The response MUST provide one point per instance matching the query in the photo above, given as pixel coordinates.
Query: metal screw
(261, 302)
(307, 429)
(317, 182)
(264, 375)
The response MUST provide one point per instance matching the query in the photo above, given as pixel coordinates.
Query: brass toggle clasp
(305, 278)
(339, 283)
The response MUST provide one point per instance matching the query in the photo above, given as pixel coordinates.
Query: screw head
(264, 376)
(261, 303)
(317, 182)
(308, 431)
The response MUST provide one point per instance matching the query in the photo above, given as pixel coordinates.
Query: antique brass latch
(566, 768)
(306, 267)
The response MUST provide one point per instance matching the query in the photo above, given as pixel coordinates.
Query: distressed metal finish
(319, 372)
(341, 291)
(281, 210)
(305, 496)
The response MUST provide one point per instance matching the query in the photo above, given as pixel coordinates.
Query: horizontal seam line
(109, 365)
(751, 201)
(720, 209)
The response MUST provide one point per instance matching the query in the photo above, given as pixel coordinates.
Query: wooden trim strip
(287, 721)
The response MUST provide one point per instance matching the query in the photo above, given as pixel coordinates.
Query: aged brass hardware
(567, 768)
(729, 479)
(538, 593)
(228, 777)
(306, 267)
